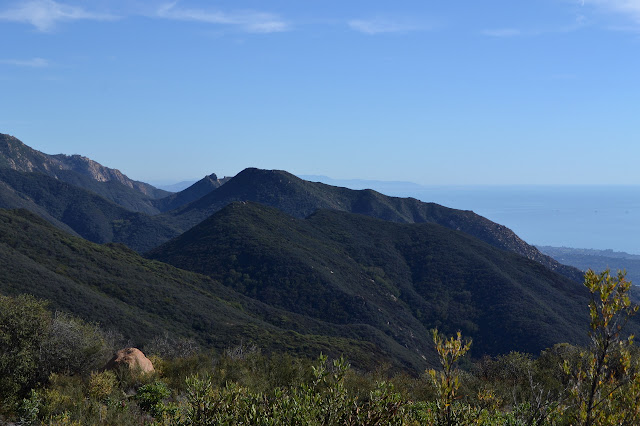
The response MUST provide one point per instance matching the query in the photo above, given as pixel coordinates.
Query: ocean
(595, 217)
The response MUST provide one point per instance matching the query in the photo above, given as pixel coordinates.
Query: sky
(432, 92)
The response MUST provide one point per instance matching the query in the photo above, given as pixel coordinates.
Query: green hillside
(300, 198)
(402, 279)
(143, 299)
(81, 212)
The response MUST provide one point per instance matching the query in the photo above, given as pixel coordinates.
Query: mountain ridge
(109, 183)
(301, 198)
(276, 188)
(80, 171)
(19, 156)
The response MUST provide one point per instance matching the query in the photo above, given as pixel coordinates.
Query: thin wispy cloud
(579, 23)
(46, 14)
(247, 21)
(31, 63)
(383, 26)
(629, 8)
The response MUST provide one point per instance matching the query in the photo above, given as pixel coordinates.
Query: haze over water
(596, 217)
(578, 216)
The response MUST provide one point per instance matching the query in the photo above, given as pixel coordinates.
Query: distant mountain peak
(18, 156)
(192, 193)
(253, 172)
(212, 177)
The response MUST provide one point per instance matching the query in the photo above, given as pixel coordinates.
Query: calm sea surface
(597, 217)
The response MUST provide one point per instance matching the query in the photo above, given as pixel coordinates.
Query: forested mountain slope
(301, 198)
(402, 279)
(143, 299)
(82, 212)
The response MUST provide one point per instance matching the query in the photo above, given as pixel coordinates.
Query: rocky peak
(94, 170)
(16, 155)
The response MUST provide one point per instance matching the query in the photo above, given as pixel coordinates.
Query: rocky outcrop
(194, 192)
(132, 358)
(16, 155)
(100, 173)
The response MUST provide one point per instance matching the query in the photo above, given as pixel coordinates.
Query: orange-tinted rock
(133, 358)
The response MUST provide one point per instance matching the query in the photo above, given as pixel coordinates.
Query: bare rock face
(133, 358)
(17, 156)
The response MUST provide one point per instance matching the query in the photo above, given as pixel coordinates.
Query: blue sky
(434, 92)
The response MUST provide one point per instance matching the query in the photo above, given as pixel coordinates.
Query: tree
(24, 323)
(34, 343)
(607, 381)
(446, 381)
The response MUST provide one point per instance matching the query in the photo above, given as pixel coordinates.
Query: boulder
(131, 357)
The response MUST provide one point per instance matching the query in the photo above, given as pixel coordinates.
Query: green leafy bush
(149, 397)
(24, 326)
(34, 344)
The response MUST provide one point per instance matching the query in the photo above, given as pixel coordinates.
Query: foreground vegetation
(49, 375)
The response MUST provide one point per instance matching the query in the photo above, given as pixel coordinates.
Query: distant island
(597, 260)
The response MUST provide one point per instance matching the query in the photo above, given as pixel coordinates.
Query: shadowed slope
(142, 299)
(300, 198)
(401, 279)
(81, 212)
